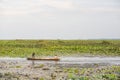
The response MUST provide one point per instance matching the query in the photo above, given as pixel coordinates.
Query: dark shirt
(33, 55)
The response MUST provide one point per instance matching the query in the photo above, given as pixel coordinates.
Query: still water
(71, 60)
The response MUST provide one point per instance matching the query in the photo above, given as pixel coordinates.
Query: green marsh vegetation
(24, 48)
(105, 73)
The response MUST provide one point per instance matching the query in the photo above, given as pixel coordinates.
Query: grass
(106, 73)
(41, 79)
(18, 66)
(40, 66)
(24, 48)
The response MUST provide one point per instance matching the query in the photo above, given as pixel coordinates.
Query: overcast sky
(59, 19)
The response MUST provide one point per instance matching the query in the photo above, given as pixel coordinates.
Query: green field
(24, 48)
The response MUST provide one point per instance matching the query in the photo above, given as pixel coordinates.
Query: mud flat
(68, 68)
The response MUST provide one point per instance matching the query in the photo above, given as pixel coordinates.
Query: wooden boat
(44, 59)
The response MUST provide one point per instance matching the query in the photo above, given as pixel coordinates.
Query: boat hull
(44, 59)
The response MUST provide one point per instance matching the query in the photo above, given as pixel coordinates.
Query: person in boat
(33, 55)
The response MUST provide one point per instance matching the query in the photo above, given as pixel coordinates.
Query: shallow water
(71, 60)
(82, 60)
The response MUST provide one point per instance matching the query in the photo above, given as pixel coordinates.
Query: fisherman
(33, 55)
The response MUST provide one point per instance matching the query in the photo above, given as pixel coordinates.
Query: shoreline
(21, 69)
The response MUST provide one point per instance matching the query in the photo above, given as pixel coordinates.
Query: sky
(59, 19)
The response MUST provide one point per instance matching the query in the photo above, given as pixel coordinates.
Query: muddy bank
(65, 69)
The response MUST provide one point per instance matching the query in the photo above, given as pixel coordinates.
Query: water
(82, 60)
(71, 60)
